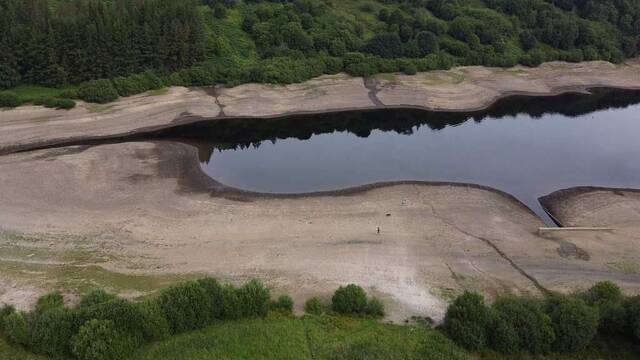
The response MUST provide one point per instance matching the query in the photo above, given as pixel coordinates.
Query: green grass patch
(29, 93)
(280, 338)
(311, 337)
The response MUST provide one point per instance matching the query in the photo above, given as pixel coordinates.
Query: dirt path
(145, 209)
(459, 89)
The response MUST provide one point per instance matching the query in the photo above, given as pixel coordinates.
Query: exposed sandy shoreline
(460, 89)
(146, 208)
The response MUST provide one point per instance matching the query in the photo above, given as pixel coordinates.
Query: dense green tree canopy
(200, 42)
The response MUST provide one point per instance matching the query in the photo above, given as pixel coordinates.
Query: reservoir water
(525, 146)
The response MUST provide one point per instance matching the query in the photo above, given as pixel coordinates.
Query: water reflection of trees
(244, 133)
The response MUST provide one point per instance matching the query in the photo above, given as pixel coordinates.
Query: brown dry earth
(459, 89)
(146, 208)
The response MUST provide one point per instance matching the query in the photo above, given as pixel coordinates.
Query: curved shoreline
(553, 203)
(31, 128)
(191, 178)
(145, 133)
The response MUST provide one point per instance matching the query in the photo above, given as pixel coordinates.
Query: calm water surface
(527, 147)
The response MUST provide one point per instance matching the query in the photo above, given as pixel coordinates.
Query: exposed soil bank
(459, 89)
(144, 208)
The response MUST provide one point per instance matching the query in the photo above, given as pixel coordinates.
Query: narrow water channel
(525, 146)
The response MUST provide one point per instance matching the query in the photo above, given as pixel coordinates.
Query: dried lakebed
(126, 215)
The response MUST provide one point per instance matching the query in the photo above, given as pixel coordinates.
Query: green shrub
(52, 331)
(504, 336)
(436, 346)
(68, 94)
(254, 299)
(9, 99)
(231, 305)
(16, 329)
(185, 306)
(467, 320)
(154, 325)
(137, 84)
(363, 69)
(350, 299)
(609, 300)
(283, 304)
(95, 297)
(5, 311)
(126, 316)
(215, 293)
(98, 91)
(66, 104)
(525, 319)
(632, 306)
(408, 68)
(127, 86)
(100, 340)
(315, 306)
(574, 322)
(49, 301)
(374, 308)
(55, 103)
(333, 65)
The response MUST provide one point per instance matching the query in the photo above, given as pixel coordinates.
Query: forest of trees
(75, 41)
(202, 42)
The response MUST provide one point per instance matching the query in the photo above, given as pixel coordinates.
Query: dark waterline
(525, 146)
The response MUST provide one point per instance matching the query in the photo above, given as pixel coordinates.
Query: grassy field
(310, 337)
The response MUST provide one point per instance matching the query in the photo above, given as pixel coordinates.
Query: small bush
(154, 325)
(315, 306)
(16, 329)
(5, 311)
(609, 300)
(350, 299)
(95, 297)
(632, 307)
(9, 99)
(375, 308)
(66, 104)
(185, 306)
(49, 301)
(467, 320)
(408, 68)
(100, 340)
(215, 293)
(52, 331)
(231, 305)
(68, 94)
(283, 304)
(333, 65)
(56, 103)
(126, 316)
(436, 346)
(137, 84)
(574, 323)
(254, 299)
(98, 91)
(525, 319)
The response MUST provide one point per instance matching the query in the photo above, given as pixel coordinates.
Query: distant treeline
(202, 42)
(70, 41)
